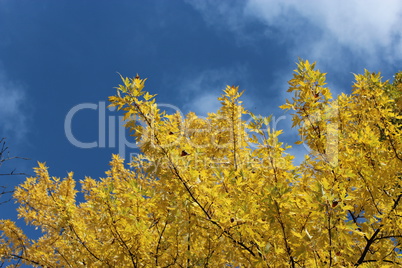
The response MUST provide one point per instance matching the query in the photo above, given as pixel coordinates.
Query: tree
(223, 191)
(4, 157)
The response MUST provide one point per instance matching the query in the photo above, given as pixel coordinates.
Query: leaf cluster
(223, 191)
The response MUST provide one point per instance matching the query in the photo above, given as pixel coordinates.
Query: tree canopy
(221, 190)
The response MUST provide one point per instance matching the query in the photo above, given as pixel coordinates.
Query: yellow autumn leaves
(222, 191)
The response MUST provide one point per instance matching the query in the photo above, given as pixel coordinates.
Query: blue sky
(57, 55)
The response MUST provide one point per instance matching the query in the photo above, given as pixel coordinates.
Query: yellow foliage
(201, 195)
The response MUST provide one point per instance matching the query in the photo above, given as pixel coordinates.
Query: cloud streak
(13, 117)
(200, 90)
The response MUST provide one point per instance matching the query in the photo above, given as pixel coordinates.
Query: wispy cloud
(200, 90)
(13, 117)
(332, 32)
(216, 11)
(366, 28)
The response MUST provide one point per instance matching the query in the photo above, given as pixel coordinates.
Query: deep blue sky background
(55, 55)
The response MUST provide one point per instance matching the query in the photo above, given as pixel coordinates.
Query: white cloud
(368, 28)
(12, 113)
(318, 30)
